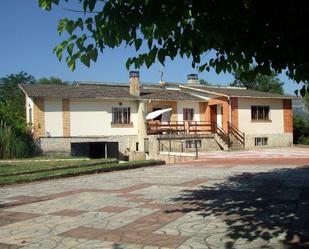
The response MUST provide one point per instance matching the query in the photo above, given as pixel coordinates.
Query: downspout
(230, 110)
(230, 121)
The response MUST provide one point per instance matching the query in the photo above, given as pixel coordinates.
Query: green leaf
(91, 4)
(71, 63)
(85, 59)
(79, 23)
(80, 42)
(69, 26)
(161, 56)
(58, 50)
(45, 4)
(138, 43)
(62, 25)
(70, 48)
(303, 91)
(93, 54)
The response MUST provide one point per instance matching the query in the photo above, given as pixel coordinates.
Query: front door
(213, 117)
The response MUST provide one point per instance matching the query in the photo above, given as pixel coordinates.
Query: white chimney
(134, 83)
(193, 79)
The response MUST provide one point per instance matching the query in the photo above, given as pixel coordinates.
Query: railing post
(196, 151)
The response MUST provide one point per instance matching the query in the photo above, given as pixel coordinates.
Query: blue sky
(29, 34)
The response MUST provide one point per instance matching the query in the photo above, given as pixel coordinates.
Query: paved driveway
(202, 205)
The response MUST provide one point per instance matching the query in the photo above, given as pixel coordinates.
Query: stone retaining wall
(62, 145)
(274, 140)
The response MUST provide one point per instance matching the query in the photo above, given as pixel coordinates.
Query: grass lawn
(23, 166)
(45, 170)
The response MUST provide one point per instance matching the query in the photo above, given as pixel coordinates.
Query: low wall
(175, 157)
(62, 145)
(274, 140)
(158, 144)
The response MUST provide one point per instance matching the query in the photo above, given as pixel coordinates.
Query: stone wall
(274, 140)
(62, 145)
(178, 145)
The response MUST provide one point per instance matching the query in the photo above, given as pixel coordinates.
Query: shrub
(301, 130)
(15, 145)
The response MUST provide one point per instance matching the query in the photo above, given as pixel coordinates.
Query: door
(213, 117)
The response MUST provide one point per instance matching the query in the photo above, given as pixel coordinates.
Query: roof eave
(203, 90)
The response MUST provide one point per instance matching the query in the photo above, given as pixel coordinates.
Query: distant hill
(299, 108)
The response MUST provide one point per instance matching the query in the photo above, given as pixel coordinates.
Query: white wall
(181, 104)
(91, 117)
(53, 117)
(29, 104)
(219, 115)
(275, 114)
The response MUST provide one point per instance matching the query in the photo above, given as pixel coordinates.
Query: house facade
(110, 120)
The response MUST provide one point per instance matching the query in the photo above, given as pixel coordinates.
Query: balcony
(180, 128)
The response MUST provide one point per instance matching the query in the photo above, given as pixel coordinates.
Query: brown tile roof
(238, 92)
(77, 91)
(166, 94)
(104, 91)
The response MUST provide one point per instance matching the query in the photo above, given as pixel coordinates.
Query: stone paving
(192, 205)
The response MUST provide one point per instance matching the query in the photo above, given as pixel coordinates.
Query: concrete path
(193, 205)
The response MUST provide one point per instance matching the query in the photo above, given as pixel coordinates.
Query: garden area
(23, 171)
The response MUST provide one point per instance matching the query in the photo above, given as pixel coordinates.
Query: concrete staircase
(235, 145)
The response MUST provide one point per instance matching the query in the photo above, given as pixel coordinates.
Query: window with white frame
(121, 115)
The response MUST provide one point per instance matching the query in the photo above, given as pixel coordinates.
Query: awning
(157, 113)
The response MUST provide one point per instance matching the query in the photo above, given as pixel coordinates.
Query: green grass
(74, 171)
(28, 166)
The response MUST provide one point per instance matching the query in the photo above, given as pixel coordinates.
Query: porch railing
(222, 134)
(171, 127)
(200, 127)
(239, 136)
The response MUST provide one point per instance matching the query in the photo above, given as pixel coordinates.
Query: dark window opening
(95, 149)
(121, 115)
(259, 112)
(188, 114)
(191, 143)
(136, 147)
(261, 141)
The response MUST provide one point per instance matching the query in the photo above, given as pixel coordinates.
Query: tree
(51, 81)
(15, 137)
(204, 82)
(300, 130)
(11, 95)
(306, 101)
(241, 32)
(260, 82)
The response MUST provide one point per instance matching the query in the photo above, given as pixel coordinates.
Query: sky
(29, 34)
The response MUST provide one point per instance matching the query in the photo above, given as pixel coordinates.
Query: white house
(110, 119)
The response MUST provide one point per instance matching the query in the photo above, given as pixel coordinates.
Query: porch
(188, 130)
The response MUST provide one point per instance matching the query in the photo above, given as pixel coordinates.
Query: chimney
(193, 79)
(134, 83)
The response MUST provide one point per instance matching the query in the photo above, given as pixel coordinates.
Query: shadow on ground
(272, 207)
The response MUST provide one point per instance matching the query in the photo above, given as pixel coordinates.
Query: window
(259, 112)
(260, 141)
(188, 114)
(190, 143)
(136, 146)
(121, 115)
(30, 115)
